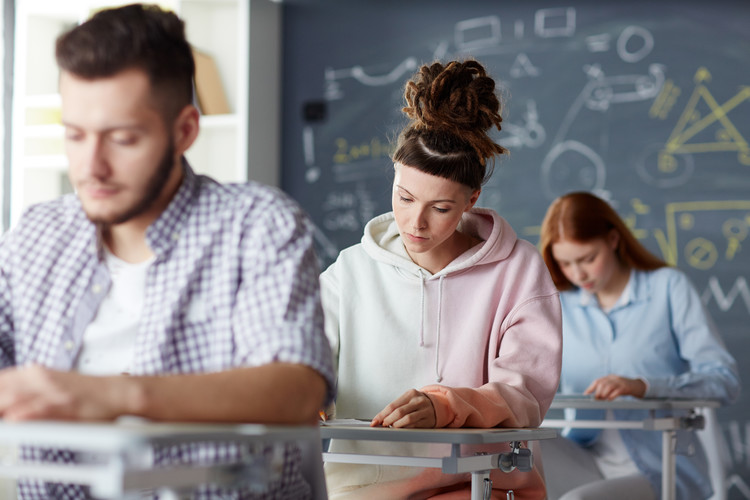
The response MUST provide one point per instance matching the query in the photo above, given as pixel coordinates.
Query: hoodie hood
(383, 243)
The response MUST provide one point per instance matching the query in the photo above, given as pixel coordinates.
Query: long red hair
(583, 217)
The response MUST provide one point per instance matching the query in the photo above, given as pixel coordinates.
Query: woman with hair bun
(441, 316)
(632, 326)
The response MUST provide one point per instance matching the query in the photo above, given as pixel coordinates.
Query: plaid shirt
(234, 283)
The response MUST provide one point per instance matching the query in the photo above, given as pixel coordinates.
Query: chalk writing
(701, 252)
(704, 126)
(572, 165)
(725, 301)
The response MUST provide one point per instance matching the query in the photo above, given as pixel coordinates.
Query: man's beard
(152, 191)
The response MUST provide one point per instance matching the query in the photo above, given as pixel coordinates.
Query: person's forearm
(275, 393)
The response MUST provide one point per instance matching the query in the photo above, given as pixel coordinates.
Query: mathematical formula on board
(694, 121)
(646, 104)
(486, 36)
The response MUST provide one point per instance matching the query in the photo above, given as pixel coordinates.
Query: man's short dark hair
(136, 36)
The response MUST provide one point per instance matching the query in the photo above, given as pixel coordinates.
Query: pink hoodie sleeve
(523, 377)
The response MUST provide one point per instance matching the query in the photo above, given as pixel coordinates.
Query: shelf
(44, 131)
(42, 101)
(219, 28)
(51, 162)
(218, 121)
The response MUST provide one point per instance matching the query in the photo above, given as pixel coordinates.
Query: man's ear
(185, 129)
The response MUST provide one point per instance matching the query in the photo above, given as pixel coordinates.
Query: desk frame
(478, 465)
(128, 445)
(668, 426)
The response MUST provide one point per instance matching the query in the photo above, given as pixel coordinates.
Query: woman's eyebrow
(447, 200)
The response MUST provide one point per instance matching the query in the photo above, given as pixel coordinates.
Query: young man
(154, 291)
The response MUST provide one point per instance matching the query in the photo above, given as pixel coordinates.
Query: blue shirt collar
(636, 290)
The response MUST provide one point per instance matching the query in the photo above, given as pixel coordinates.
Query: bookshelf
(218, 28)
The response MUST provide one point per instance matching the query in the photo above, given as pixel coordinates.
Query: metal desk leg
(668, 465)
(478, 484)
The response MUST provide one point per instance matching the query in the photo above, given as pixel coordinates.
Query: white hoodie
(482, 338)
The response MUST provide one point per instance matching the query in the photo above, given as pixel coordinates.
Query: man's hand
(411, 409)
(613, 386)
(34, 392)
(278, 393)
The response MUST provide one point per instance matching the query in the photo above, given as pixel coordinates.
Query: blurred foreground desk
(668, 426)
(453, 463)
(123, 450)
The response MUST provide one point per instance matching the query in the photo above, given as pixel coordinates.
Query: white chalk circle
(572, 166)
(660, 168)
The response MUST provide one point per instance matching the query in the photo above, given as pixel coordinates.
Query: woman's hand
(412, 409)
(613, 386)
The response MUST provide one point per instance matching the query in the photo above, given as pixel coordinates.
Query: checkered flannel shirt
(234, 283)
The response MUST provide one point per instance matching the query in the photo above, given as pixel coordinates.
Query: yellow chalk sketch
(665, 100)
(701, 253)
(683, 138)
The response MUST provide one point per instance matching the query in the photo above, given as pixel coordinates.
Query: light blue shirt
(660, 332)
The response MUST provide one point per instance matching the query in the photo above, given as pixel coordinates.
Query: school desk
(668, 426)
(124, 448)
(451, 463)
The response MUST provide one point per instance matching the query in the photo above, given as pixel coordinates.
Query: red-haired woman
(632, 326)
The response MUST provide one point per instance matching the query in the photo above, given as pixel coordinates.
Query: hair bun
(459, 97)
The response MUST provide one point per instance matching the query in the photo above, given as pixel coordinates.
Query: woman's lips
(414, 238)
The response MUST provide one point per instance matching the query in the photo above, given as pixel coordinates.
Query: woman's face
(428, 208)
(589, 265)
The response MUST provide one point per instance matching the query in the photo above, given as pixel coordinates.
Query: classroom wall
(645, 103)
(264, 76)
(7, 103)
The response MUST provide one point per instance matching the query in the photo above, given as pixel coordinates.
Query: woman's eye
(441, 210)
(405, 200)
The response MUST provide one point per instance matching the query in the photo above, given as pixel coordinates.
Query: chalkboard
(645, 103)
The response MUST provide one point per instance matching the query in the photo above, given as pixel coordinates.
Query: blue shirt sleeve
(661, 333)
(713, 371)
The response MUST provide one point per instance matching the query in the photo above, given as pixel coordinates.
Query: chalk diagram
(332, 76)
(732, 217)
(472, 35)
(531, 134)
(344, 211)
(334, 92)
(704, 126)
(572, 165)
(737, 454)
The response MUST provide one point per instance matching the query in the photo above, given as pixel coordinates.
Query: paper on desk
(347, 421)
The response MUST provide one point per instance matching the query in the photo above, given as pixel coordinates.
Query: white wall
(264, 128)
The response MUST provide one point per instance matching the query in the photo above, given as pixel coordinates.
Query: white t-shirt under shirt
(109, 340)
(611, 455)
(609, 451)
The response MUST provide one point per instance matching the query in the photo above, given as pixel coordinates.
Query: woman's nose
(419, 221)
(579, 273)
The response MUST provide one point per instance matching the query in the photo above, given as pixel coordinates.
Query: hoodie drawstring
(421, 309)
(421, 320)
(439, 378)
